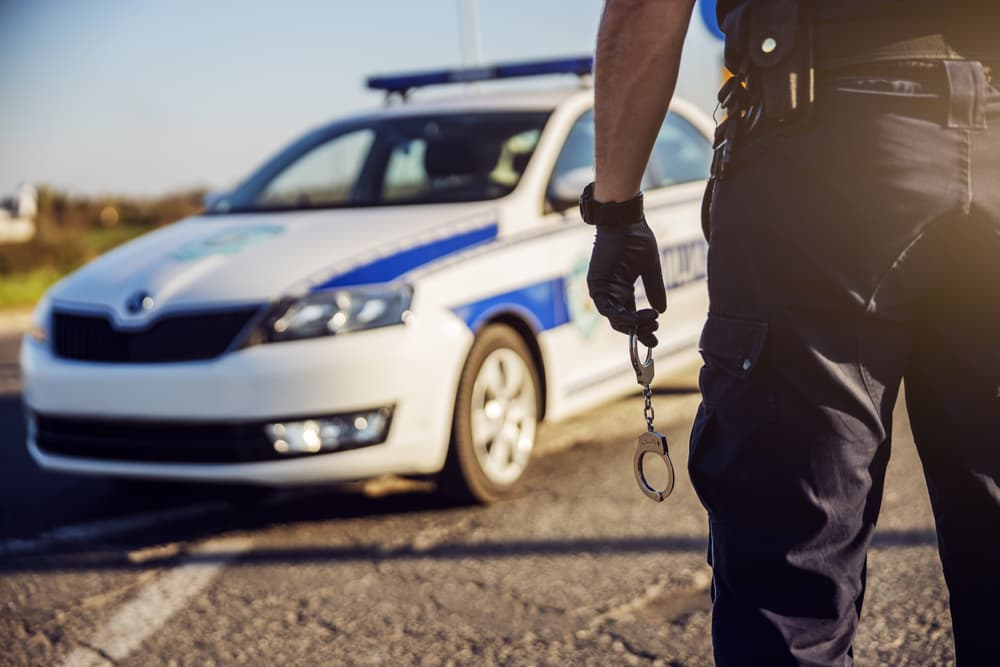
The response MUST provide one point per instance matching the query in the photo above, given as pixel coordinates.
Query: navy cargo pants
(846, 256)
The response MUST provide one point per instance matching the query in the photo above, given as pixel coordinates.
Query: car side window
(574, 167)
(681, 154)
(578, 151)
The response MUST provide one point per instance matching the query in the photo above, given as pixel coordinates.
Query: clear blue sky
(146, 96)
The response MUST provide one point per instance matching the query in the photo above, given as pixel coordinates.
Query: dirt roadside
(15, 320)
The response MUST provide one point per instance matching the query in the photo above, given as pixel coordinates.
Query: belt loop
(967, 88)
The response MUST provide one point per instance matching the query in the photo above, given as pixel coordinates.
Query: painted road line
(153, 606)
(90, 532)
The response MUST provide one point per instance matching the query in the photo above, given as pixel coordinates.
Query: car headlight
(338, 311)
(38, 330)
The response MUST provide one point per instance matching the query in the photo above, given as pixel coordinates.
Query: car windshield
(403, 160)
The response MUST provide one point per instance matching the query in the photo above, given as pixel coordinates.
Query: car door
(586, 353)
(588, 359)
(674, 184)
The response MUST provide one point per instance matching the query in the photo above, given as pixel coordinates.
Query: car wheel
(496, 416)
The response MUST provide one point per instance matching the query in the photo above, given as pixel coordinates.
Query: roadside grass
(24, 288)
(103, 239)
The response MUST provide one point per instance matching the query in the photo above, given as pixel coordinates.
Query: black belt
(836, 45)
(777, 84)
(784, 59)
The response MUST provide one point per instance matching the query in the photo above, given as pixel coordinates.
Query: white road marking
(88, 532)
(148, 611)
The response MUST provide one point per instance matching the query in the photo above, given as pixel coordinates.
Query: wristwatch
(615, 213)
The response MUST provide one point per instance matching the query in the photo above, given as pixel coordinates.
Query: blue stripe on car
(395, 265)
(542, 305)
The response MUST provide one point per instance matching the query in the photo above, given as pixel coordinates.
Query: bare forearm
(638, 55)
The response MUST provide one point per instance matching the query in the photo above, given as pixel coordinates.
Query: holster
(780, 69)
(773, 77)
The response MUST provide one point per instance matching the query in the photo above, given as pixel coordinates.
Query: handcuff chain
(647, 411)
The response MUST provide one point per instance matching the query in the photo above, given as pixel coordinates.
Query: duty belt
(777, 80)
(784, 60)
(837, 45)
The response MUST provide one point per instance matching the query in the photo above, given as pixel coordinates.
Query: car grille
(155, 442)
(187, 337)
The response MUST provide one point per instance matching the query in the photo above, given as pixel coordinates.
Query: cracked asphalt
(578, 568)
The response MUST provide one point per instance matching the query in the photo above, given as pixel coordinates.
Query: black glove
(623, 253)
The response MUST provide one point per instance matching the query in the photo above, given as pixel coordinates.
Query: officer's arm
(638, 54)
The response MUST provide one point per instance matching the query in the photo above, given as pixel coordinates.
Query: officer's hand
(621, 255)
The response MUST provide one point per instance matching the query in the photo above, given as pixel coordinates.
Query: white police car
(400, 292)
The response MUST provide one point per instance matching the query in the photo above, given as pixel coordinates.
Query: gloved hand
(621, 255)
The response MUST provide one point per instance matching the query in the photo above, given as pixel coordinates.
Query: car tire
(497, 408)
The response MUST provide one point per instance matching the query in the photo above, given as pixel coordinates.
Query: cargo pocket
(738, 408)
(732, 349)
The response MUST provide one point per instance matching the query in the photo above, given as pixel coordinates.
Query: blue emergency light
(403, 83)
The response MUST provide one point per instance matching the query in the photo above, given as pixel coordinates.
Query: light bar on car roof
(401, 83)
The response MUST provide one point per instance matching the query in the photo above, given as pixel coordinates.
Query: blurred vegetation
(24, 289)
(72, 230)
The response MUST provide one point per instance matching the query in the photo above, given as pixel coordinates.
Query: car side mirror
(565, 189)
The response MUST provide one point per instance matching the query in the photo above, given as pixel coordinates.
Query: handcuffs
(652, 441)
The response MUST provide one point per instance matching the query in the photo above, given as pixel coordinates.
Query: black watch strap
(616, 213)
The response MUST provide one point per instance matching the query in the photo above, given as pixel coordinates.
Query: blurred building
(17, 215)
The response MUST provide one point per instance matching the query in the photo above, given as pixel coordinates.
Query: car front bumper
(411, 370)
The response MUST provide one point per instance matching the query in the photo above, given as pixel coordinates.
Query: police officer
(853, 218)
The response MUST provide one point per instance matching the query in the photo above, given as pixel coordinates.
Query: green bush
(24, 289)
(63, 254)
(73, 230)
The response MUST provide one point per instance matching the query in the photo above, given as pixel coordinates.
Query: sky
(151, 96)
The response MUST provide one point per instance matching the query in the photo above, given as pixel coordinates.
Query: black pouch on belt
(781, 71)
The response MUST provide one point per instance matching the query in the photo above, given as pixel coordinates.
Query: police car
(402, 292)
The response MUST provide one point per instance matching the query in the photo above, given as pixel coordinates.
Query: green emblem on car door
(582, 311)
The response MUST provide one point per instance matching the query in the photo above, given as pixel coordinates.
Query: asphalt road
(34, 503)
(578, 568)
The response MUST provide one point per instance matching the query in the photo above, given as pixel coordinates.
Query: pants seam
(965, 171)
(865, 377)
(870, 306)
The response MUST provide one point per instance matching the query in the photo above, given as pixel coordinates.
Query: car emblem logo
(139, 302)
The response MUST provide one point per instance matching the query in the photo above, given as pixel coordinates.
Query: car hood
(251, 258)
